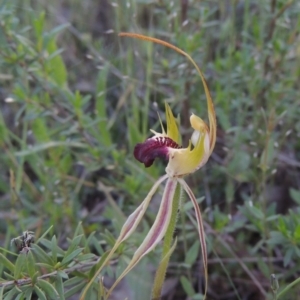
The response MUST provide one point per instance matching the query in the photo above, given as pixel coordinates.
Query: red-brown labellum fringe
(154, 147)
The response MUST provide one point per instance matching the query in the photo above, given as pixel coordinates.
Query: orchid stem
(167, 249)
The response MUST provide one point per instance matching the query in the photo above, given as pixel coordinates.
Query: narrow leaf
(48, 288)
(192, 254)
(71, 256)
(59, 287)
(11, 295)
(19, 266)
(4, 261)
(187, 286)
(45, 146)
(27, 293)
(30, 262)
(40, 293)
(42, 255)
(75, 289)
(44, 234)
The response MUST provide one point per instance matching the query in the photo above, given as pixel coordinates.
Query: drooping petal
(157, 146)
(210, 105)
(128, 228)
(188, 160)
(134, 219)
(200, 227)
(157, 230)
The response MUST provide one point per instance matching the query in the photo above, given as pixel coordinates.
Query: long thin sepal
(166, 254)
(134, 219)
(128, 228)
(200, 228)
(210, 105)
(156, 232)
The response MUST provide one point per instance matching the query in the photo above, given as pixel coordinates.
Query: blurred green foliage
(75, 99)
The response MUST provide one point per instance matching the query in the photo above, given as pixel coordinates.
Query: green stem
(167, 250)
(288, 287)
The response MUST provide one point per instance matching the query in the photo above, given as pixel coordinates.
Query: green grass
(75, 101)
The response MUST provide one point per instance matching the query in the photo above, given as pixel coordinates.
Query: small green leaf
(54, 249)
(101, 105)
(75, 289)
(4, 261)
(62, 274)
(276, 238)
(192, 253)
(40, 130)
(79, 230)
(46, 146)
(71, 256)
(20, 297)
(11, 295)
(59, 286)
(256, 212)
(46, 266)
(28, 293)
(19, 266)
(38, 25)
(34, 277)
(267, 156)
(44, 234)
(48, 288)
(30, 262)
(85, 257)
(56, 67)
(40, 293)
(72, 281)
(75, 242)
(187, 286)
(8, 276)
(288, 256)
(95, 243)
(42, 255)
(49, 244)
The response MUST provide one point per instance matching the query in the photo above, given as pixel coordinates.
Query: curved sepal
(200, 229)
(156, 232)
(210, 105)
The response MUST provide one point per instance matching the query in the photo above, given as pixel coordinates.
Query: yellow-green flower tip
(172, 129)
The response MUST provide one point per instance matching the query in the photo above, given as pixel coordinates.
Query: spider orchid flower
(181, 162)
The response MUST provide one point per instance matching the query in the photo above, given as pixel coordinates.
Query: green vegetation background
(75, 99)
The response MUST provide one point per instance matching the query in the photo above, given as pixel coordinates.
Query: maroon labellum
(154, 147)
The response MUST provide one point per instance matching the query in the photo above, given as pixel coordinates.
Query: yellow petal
(188, 160)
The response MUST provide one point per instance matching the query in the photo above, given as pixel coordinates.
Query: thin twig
(79, 267)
